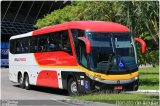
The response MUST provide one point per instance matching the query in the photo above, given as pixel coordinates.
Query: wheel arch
(65, 78)
(25, 73)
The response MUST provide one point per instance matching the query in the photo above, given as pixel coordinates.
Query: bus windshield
(111, 52)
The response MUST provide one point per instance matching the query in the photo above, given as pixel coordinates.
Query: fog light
(136, 78)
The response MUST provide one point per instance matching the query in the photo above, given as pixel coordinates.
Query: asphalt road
(11, 93)
(36, 96)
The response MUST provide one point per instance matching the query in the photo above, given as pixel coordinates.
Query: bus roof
(21, 35)
(96, 26)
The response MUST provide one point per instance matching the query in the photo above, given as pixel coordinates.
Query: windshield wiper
(110, 62)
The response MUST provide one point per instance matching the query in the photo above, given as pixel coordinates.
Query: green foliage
(142, 17)
(149, 78)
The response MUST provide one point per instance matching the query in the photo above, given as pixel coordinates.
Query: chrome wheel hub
(26, 83)
(21, 80)
(74, 87)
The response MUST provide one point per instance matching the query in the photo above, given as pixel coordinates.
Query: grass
(113, 98)
(149, 78)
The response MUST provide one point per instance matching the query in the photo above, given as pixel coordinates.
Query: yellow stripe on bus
(110, 77)
(98, 75)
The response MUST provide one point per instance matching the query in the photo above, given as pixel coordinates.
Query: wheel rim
(26, 82)
(21, 80)
(74, 87)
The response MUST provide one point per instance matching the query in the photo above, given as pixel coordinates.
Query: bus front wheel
(27, 83)
(72, 87)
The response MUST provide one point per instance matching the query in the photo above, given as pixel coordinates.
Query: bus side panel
(48, 78)
(13, 76)
(57, 58)
(23, 63)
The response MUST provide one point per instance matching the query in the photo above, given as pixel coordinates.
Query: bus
(78, 56)
(4, 51)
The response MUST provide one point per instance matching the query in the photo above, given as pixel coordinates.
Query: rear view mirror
(87, 43)
(143, 44)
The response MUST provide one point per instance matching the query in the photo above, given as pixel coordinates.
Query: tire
(21, 81)
(27, 83)
(135, 86)
(72, 87)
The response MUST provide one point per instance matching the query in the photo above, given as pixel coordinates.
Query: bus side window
(77, 33)
(33, 44)
(25, 45)
(12, 46)
(66, 42)
(18, 46)
(81, 53)
(42, 43)
(54, 42)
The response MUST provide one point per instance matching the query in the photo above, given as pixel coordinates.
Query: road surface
(11, 93)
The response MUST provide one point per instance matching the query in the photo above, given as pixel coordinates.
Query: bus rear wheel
(72, 87)
(26, 82)
(21, 81)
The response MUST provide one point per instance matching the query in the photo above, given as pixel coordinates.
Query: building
(19, 17)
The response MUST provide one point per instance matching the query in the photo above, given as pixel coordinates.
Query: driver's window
(81, 53)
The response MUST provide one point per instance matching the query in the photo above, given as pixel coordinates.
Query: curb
(149, 91)
(86, 103)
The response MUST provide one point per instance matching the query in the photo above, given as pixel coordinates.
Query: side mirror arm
(143, 44)
(87, 43)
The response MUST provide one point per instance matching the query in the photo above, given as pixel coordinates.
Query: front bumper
(97, 84)
(130, 86)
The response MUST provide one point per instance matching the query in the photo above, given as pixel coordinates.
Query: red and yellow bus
(79, 56)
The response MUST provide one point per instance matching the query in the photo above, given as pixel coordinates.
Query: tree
(140, 16)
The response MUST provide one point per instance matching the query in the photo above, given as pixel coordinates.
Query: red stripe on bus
(48, 78)
(57, 58)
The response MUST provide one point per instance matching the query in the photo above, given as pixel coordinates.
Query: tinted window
(18, 46)
(25, 45)
(33, 44)
(58, 41)
(77, 33)
(81, 53)
(42, 43)
(66, 42)
(55, 42)
(12, 46)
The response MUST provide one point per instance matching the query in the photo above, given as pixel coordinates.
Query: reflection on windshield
(107, 50)
(101, 50)
(123, 45)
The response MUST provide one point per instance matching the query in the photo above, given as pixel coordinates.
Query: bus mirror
(87, 43)
(143, 44)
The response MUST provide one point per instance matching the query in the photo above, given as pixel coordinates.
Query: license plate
(118, 88)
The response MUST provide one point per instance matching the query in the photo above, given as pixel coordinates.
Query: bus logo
(97, 76)
(19, 59)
